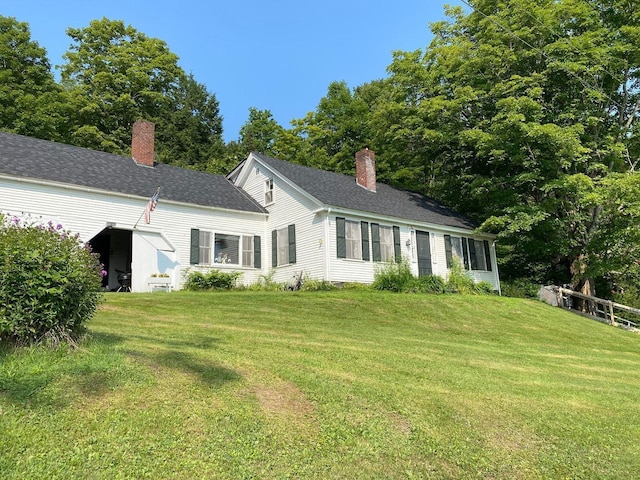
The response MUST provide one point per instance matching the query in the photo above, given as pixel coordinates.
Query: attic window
(268, 191)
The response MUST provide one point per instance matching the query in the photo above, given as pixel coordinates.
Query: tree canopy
(30, 99)
(115, 74)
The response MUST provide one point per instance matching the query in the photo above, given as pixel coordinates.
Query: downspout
(494, 260)
(327, 258)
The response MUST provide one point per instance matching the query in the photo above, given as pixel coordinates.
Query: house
(342, 228)
(266, 216)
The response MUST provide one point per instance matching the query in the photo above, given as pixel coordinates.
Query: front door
(424, 253)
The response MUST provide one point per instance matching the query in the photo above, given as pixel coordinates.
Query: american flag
(151, 206)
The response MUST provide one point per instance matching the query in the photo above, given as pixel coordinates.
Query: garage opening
(114, 247)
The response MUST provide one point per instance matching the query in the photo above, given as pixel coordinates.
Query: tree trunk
(582, 284)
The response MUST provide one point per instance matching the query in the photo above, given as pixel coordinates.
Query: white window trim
(211, 248)
(269, 192)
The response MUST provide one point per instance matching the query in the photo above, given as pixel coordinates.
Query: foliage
(397, 277)
(260, 132)
(313, 285)
(31, 103)
(340, 384)
(393, 277)
(509, 114)
(459, 280)
(430, 284)
(49, 282)
(519, 288)
(213, 280)
(189, 132)
(115, 75)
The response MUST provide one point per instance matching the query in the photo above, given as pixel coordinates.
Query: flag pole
(157, 192)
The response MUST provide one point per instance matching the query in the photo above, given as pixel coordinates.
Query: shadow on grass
(208, 372)
(38, 377)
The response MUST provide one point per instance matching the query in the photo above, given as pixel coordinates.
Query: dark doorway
(114, 247)
(423, 246)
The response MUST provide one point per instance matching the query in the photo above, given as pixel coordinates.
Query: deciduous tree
(30, 99)
(515, 112)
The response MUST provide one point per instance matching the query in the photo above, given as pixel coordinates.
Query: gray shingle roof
(43, 160)
(337, 190)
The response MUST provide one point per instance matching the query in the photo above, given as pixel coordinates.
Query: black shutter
(396, 244)
(465, 252)
(473, 254)
(447, 250)
(257, 252)
(274, 248)
(487, 255)
(375, 242)
(292, 244)
(194, 256)
(341, 237)
(364, 232)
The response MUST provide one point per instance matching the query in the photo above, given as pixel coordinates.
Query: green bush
(459, 280)
(265, 283)
(49, 282)
(214, 280)
(395, 277)
(311, 285)
(430, 284)
(520, 288)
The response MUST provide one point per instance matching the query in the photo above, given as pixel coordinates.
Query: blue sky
(277, 56)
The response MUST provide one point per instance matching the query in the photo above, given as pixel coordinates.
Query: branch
(636, 109)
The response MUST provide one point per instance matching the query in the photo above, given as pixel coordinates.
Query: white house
(267, 215)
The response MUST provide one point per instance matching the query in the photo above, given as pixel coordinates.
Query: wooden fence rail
(598, 308)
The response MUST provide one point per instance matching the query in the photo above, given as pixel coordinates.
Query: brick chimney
(142, 142)
(366, 169)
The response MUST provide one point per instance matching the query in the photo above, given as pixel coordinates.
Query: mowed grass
(325, 385)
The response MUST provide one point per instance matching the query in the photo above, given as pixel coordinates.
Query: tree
(260, 132)
(524, 103)
(30, 99)
(115, 75)
(336, 130)
(190, 132)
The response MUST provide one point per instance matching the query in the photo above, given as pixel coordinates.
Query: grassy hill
(325, 385)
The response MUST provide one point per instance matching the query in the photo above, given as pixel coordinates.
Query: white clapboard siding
(89, 212)
(290, 207)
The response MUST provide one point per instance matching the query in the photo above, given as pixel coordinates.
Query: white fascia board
(79, 188)
(238, 173)
(405, 221)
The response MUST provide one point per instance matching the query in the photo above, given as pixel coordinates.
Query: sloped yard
(325, 385)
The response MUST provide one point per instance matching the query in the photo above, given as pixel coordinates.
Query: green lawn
(325, 385)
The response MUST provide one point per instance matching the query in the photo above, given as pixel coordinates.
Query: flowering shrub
(49, 282)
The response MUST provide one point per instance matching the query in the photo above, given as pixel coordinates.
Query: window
(481, 261)
(283, 246)
(474, 254)
(353, 240)
(247, 251)
(204, 246)
(268, 191)
(386, 244)
(226, 249)
(456, 248)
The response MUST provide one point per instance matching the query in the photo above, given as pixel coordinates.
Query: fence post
(611, 314)
(559, 295)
